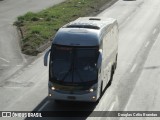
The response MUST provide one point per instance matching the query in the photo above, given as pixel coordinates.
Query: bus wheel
(112, 70)
(115, 63)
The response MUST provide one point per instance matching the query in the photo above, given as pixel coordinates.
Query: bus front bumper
(88, 97)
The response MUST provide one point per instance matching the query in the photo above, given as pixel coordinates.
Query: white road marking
(4, 59)
(155, 42)
(43, 106)
(29, 66)
(133, 68)
(19, 65)
(128, 18)
(155, 30)
(112, 105)
(147, 44)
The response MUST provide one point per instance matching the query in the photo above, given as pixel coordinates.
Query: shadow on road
(64, 110)
(152, 67)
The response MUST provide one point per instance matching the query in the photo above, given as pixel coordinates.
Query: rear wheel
(115, 63)
(114, 66)
(101, 90)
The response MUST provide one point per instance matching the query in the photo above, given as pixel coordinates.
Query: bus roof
(85, 31)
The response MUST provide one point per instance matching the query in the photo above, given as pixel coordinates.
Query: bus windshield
(74, 65)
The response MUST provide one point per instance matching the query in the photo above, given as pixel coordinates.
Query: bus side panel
(106, 57)
(116, 32)
(110, 49)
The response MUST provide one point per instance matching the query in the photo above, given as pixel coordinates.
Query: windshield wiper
(79, 75)
(70, 70)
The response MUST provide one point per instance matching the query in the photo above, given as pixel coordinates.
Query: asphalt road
(135, 84)
(11, 58)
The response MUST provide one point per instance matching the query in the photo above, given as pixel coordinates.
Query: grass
(37, 29)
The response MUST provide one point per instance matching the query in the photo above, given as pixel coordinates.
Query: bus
(82, 59)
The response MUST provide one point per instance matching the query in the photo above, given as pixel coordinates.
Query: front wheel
(101, 90)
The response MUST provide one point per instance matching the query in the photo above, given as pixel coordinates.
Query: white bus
(83, 57)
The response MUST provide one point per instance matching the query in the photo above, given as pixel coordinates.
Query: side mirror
(46, 57)
(99, 62)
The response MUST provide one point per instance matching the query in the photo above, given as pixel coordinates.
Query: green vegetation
(37, 29)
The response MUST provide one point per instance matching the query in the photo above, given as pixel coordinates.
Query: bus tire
(115, 63)
(111, 77)
(113, 70)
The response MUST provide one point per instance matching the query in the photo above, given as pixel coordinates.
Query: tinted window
(74, 65)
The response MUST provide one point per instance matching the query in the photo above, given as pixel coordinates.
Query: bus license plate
(71, 97)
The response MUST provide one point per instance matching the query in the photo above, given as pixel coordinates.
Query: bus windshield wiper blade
(67, 73)
(79, 75)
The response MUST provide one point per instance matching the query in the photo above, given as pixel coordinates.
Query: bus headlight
(93, 88)
(50, 85)
(93, 97)
(52, 88)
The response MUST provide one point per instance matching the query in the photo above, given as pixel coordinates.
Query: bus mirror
(46, 57)
(99, 59)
